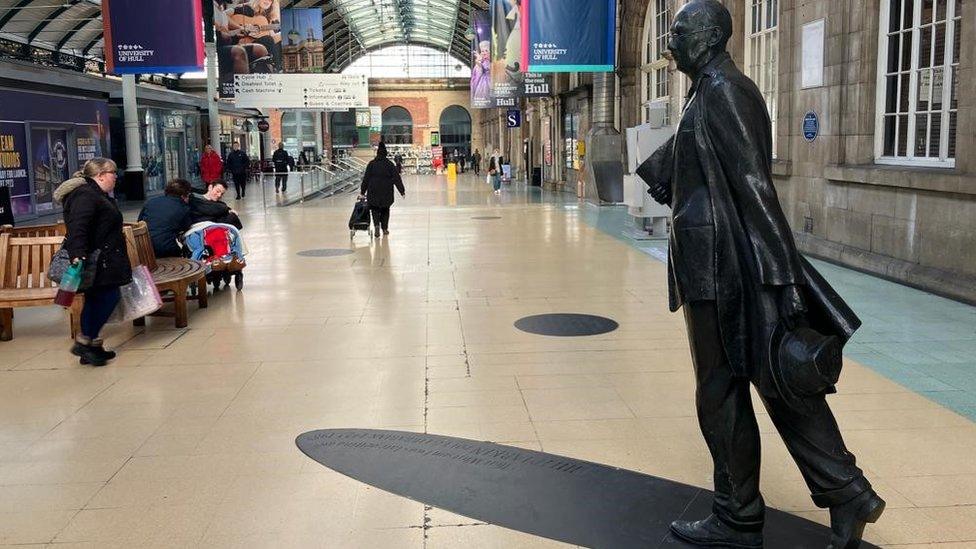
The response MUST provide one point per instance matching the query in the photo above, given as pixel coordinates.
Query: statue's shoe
(847, 520)
(712, 532)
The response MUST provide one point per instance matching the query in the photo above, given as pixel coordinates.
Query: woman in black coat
(94, 223)
(378, 182)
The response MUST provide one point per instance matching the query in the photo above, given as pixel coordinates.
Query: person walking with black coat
(94, 225)
(237, 164)
(282, 161)
(378, 182)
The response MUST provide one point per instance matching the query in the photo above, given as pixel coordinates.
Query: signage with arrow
(301, 91)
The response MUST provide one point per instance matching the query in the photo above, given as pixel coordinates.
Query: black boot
(88, 355)
(847, 520)
(98, 345)
(712, 532)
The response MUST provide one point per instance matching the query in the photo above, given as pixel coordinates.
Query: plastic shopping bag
(139, 297)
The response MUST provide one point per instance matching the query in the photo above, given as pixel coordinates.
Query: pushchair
(222, 248)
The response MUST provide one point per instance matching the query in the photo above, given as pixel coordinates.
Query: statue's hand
(791, 305)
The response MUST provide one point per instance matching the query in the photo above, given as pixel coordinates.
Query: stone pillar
(133, 181)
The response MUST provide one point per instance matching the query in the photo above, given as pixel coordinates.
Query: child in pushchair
(220, 246)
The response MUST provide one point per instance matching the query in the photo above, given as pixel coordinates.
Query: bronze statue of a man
(756, 311)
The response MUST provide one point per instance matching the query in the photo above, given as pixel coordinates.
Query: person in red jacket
(211, 166)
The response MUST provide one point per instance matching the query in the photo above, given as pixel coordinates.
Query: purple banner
(13, 166)
(481, 60)
(153, 37)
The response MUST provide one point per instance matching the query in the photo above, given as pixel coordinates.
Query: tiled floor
(188, 438)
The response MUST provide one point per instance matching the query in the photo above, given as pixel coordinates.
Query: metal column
(134, 181)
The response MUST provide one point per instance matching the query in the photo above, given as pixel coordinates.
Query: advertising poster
(13, 166)
(136, 42)
(303, 50)
(568, 35)
(248, 34)
(506, 53)
(481, 60)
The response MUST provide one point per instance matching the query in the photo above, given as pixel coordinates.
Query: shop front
(44, 139)
(241, 129)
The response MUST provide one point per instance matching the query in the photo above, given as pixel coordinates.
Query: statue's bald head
(710, 13)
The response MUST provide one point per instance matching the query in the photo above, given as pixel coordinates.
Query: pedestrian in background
(282, 161)
(237, 164)
(495, 171)
(94, 225)
(476, 162)
(378, 182)
(211, 166)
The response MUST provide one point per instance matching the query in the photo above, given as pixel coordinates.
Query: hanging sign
(248, 35)
(535, 85)
(481, 60)
(137, 43)
(301, 91)
(811, 126)
(568, 35)
(513, 119)
(506, 53)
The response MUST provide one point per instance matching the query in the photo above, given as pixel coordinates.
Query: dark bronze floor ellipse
(555, 497)
(486, 217)
(566, 325)
(326, 252)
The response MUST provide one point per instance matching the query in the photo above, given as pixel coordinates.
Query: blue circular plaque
(811, 126)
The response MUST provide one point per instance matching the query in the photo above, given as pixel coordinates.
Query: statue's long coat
(754, 250)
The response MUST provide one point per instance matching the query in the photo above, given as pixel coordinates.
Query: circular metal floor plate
(326, 252)
(566, 325)
(486, 217)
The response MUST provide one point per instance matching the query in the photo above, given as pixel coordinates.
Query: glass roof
(378, 22)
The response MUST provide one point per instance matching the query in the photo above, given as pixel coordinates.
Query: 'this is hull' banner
(568, 35)
(138, 42)
(506, 56)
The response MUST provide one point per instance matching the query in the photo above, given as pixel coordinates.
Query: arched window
(762, 52)
(655, 79)
(397, 126)
(455, 126)
(298, 131)
(344, 133)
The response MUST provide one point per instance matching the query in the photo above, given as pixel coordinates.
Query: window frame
(762, 36)
(651, 69)
(943, 161)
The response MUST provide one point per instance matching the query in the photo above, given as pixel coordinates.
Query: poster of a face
(506, 52)
(481, 60)
(248, 34)
(303, 50)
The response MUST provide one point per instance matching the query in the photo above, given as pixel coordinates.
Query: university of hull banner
(568, 35)
(506, 53)
(138, 42)
(481, 60)
(303, 50)
(248, 39)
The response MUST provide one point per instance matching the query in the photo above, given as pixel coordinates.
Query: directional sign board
(301, 91)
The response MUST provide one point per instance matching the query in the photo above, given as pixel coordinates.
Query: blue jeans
(99, 304)
(496, 182)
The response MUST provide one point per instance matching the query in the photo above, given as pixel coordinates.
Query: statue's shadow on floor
(560, 498)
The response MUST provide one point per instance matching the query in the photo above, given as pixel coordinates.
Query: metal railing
(318, 181)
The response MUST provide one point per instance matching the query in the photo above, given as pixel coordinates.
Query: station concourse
(500, 370)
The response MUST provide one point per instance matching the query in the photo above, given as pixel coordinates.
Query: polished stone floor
(187, 440)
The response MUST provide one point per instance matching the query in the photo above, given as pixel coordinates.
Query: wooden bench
(24, 261)
(172, 274)
(58, 229)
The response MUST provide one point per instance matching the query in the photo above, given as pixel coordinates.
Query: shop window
(344, 133)
(397, 126)
(298, 132)
(918, 68)
(762, 53)
(656, 79)
(570, 140)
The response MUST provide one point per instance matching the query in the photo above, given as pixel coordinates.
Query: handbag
(139, 298)
(62, 260)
